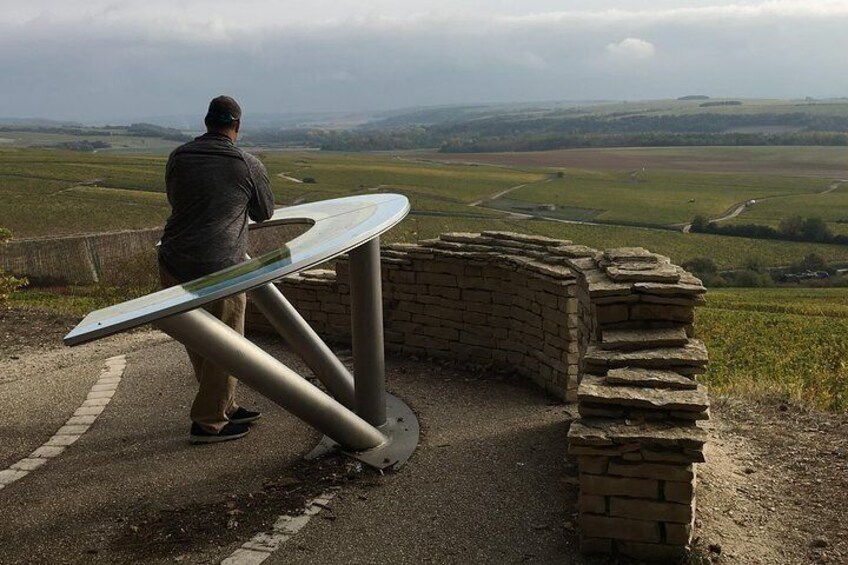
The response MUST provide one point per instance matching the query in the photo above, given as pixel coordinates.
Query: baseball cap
(223, 110)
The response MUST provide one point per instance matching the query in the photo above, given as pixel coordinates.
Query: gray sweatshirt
(213, 187)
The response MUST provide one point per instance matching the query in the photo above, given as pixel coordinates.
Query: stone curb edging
(262, 545)
(98, 398)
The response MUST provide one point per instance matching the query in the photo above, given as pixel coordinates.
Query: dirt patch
(154, 534)
(774, 489)
(27, 329)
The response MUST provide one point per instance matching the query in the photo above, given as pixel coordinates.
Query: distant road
(505, 192)
(742, 206)
(284, 176)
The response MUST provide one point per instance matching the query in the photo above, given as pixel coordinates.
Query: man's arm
(261, 205)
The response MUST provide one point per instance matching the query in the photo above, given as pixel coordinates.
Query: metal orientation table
(355, 417)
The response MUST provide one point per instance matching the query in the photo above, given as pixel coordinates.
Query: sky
(96, 60)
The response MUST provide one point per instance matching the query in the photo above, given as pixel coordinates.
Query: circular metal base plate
(401, 429)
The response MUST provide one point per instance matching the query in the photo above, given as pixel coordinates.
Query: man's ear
(237, 125)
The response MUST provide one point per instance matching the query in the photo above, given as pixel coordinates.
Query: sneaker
(244, 416)
(228, 432)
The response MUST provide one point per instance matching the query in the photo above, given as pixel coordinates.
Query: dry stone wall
(492, 299)
(639, 436)
(77, 259)
(611, 330)
(112, 258)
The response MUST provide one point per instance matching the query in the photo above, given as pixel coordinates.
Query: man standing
(213, 187)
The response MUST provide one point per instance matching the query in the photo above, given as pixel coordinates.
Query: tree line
(794, 228)
(525, 133)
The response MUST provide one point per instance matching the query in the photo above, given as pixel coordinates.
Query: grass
(122, 143)
(54, 192)
(75, 301)
(339, 174)
(830, 207)
(661, 197)
(46, 192)
(790, 344)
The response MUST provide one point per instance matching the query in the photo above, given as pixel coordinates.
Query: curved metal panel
(339, 225)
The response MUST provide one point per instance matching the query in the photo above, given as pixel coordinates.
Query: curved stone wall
(611, 330)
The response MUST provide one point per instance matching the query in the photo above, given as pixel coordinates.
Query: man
(213, 187)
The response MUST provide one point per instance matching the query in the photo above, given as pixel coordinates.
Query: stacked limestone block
(619, 321)
(493, 299)
(638, 436)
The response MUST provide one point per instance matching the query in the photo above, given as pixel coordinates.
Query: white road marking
(262, 545)
(96, 400)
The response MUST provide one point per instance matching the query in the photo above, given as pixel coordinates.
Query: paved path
(487, 484)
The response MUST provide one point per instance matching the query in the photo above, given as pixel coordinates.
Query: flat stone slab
(662, 274)
(600, 285)
(463, 237)
(597, 391)
(599, 432)
(621, 254)
(526, 238)
(644, 338)
(681, 288)
(693, 354)
(636, 377)
(554, 271)
(573, 251)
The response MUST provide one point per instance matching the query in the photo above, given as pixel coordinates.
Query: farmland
(53, 192)
(56, 193)
(661, 197)
(790, 344)
(821, 162)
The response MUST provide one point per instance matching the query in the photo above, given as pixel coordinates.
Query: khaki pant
(215, 398)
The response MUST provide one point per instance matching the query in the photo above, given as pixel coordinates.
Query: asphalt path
(488, 483)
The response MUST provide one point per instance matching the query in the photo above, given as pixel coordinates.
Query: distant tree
(702, 265)
(749, 278)
(815, 229)
(704, 268)
(700, 223)
(755, 264)
(791, 227)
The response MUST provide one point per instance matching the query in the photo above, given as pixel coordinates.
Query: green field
(432, 186)
(120, 143)
(47, 192)
(830, 207)
(789, 344)
(662, 197)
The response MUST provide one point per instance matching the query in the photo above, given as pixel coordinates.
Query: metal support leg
(305, 342)
(208, 336)
(366, 296)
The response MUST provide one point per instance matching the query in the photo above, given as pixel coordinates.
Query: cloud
(117, 57)
(632, 48)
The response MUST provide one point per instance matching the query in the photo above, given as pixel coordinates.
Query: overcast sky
(102, 59)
